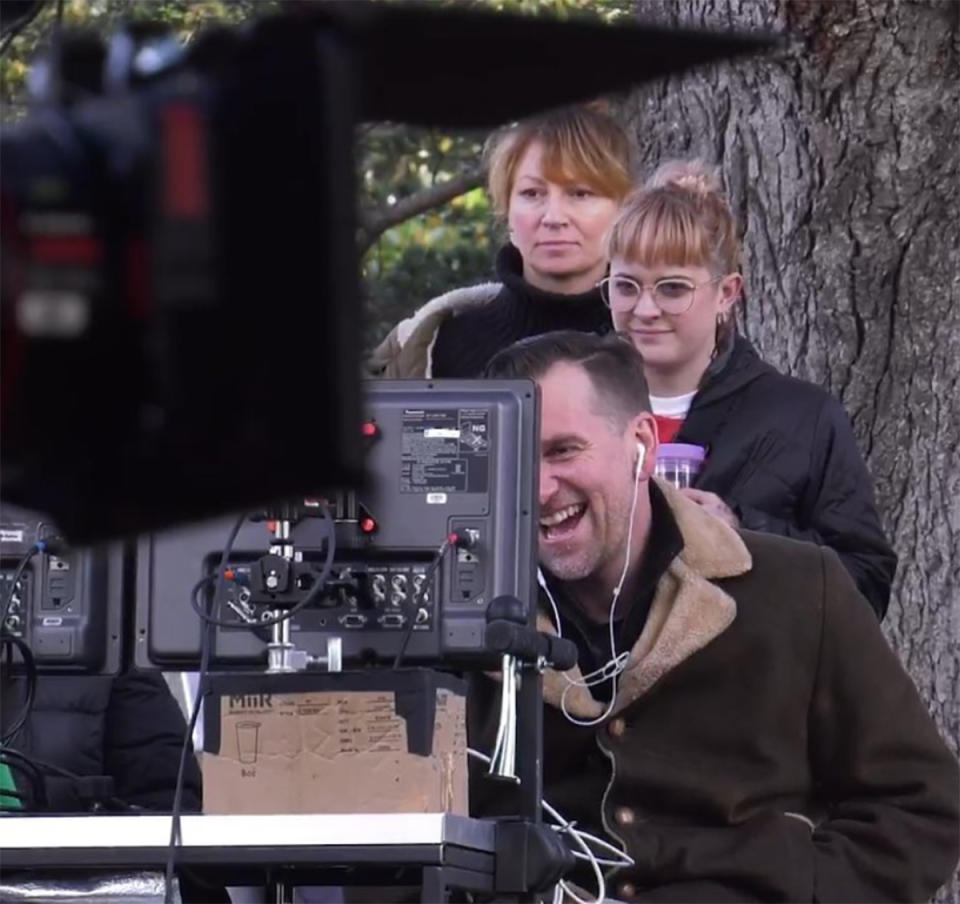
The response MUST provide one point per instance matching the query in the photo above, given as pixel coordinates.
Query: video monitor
(445, 523)
(64, 603)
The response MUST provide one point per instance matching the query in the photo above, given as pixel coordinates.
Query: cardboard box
(356, 742)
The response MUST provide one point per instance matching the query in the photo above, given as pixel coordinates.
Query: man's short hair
(614, 366)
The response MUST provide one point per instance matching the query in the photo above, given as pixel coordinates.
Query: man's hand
(712, 503)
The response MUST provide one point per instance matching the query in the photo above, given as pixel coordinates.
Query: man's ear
(644, 432)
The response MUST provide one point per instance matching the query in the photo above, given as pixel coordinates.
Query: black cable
(53, 545)
(14, 760)
(311, 597)
(13, 795)
(6, 639)
(17, 574)
(194, 714)
(38, 764)
(209, 622)
(41, 766)
(415, 605)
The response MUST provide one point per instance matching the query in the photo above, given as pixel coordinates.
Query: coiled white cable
(617, 663)
(582, 840)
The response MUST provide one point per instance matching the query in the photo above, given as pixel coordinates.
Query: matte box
(373, 741)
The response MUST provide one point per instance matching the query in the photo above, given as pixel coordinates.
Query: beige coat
(766, 743)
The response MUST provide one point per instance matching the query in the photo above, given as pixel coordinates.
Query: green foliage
(426, 256)
(184, 17)
(434, 251)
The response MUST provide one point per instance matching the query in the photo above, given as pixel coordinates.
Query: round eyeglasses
(673, 294)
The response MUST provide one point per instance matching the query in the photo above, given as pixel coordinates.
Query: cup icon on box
(248, 739)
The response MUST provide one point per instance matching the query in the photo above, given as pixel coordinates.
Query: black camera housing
(183, 275)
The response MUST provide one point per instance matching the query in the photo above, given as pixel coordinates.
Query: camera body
(446, 458)
(180, 289)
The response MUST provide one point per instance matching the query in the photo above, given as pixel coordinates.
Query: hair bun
(693, 176)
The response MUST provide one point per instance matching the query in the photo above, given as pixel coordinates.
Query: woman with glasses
(557, 181)
(780, 453)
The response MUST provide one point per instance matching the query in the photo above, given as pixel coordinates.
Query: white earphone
(641, 455)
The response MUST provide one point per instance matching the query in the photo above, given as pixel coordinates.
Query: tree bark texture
(840, 154)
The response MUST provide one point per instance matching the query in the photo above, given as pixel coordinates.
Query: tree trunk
(840, 157)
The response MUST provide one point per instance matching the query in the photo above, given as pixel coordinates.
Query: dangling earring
(718, 334)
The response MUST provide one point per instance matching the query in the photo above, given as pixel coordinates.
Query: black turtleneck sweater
(467, 341)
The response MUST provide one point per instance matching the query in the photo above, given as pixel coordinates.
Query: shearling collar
(687, 612)
(452, 302)
(417, 334)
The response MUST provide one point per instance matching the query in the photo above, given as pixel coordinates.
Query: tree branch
(374, 223)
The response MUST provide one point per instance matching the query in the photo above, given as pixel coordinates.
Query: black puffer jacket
(129, 728)
(782, 455)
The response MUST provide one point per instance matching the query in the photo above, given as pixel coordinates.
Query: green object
(7, 784)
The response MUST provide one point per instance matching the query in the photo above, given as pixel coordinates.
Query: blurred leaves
(432, 252)
(184, 17)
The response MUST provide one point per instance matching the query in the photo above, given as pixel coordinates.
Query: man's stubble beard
(589, 561)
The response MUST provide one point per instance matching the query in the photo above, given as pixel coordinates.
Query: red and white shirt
(669, 413)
